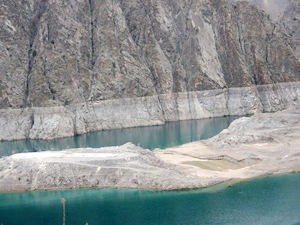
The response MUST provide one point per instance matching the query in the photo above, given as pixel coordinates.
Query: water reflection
(170, 134)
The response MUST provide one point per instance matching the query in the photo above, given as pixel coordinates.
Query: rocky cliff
(275, 8)
(72, 67)
(285, 13)
(290, 20)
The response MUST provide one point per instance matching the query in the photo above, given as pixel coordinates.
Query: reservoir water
(169, 135)
(271, 200)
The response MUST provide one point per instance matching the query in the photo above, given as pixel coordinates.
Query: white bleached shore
(261, 145)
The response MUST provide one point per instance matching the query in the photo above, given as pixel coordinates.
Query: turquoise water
(168, 135)
(272, 200)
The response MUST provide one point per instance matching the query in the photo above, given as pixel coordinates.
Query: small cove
(169, 135)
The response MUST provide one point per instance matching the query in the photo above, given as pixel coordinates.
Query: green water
(272, 200)
(171, 134)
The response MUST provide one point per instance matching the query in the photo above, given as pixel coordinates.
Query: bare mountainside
(286, 13)
(275, 8)
(72, 67)
(291, 22)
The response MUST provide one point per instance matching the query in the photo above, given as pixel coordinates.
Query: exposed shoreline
(56, 122)
(224, 184)
(262, 145)
(126, 166)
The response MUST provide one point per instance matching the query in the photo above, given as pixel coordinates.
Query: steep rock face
(92, 65)
(286, 13)
(291, 22)
(252, 49)
(14, 47)
(56, 53)
(55, 122)
(274, 8)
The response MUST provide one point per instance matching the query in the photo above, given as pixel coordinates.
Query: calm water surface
(272, 200)
(168, 135)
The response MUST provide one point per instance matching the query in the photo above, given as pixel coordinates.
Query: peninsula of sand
(261, 145)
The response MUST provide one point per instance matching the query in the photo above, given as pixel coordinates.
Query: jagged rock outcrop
(72, 67)
(286, 13)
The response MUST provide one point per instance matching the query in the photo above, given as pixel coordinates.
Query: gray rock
(275, 8)
(56, 122)
(280, 127)
(126, 166)
(71, 68)
(261, 145)
(286, 13)
(290, 20)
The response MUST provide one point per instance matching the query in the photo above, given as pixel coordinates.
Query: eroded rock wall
(285, 13)
(274, 8)
(56, 122)
(72, 67)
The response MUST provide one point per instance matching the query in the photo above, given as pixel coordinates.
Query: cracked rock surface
(91, 65)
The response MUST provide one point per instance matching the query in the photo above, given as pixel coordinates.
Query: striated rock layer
(71, 67)
(56, 122)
